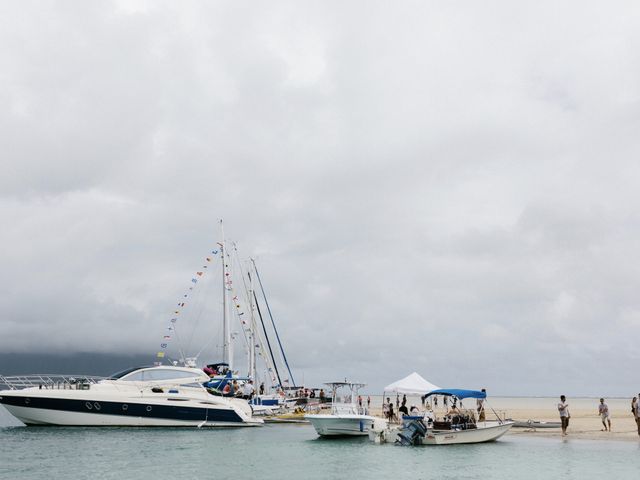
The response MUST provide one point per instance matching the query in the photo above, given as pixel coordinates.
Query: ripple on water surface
(294, 451)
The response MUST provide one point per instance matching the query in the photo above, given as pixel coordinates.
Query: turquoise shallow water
(294, 451)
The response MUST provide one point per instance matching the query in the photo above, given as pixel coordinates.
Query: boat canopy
(456, 392)
(412, 384)
(345, 383)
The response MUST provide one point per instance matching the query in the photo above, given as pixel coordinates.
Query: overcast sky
(445, 187)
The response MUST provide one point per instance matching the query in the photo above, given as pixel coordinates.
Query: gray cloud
(444, 188)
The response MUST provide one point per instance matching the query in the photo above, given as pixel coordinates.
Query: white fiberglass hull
(336, 425)
(95, 408)
(486, 432)
(262, 410)
(37, 416)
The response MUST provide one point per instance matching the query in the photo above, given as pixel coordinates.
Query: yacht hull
(341, 425)
(39, 410)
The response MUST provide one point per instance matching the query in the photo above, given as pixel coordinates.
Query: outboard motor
(412, 433)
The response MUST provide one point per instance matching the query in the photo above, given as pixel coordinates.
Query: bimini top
(456, 392)
(345, 383)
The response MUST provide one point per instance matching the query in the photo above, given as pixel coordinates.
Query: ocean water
(294, 451)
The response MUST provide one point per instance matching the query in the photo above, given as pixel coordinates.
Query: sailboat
(262, 341)
(268, 402)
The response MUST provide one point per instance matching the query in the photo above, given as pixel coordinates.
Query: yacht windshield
(121, 374)
(156, 375)
(166, 374)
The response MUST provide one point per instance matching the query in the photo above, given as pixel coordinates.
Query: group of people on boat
(452, 412)
(228, 386)
(401, 409)
(233, 388)
(307, 392)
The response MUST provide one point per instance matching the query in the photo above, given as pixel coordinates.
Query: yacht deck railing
(48, 381)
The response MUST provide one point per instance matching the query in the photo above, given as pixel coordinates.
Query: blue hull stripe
(168, 412)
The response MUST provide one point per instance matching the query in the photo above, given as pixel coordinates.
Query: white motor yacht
(346, 417)
(164, 396)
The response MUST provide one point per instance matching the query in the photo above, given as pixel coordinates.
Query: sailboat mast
(266, 337)
(226, 333)
(264, 296)
(252, 347)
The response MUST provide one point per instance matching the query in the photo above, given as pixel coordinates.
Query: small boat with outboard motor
(458, 425)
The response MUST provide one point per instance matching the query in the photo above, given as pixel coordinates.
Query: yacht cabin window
(165, 374)
(157, 375)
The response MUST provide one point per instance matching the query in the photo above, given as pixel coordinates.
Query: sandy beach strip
(585, 423)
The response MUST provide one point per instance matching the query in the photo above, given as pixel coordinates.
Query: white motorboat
(148, 396)
(346, 417)
(484, 432)
(455, 427)
(535, 424)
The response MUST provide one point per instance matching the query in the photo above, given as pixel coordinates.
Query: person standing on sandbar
(480, 407)
(603, 411)
(563, 408)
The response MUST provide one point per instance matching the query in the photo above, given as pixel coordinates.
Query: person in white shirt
(563, 408)
(247, 390)
(603, 411)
